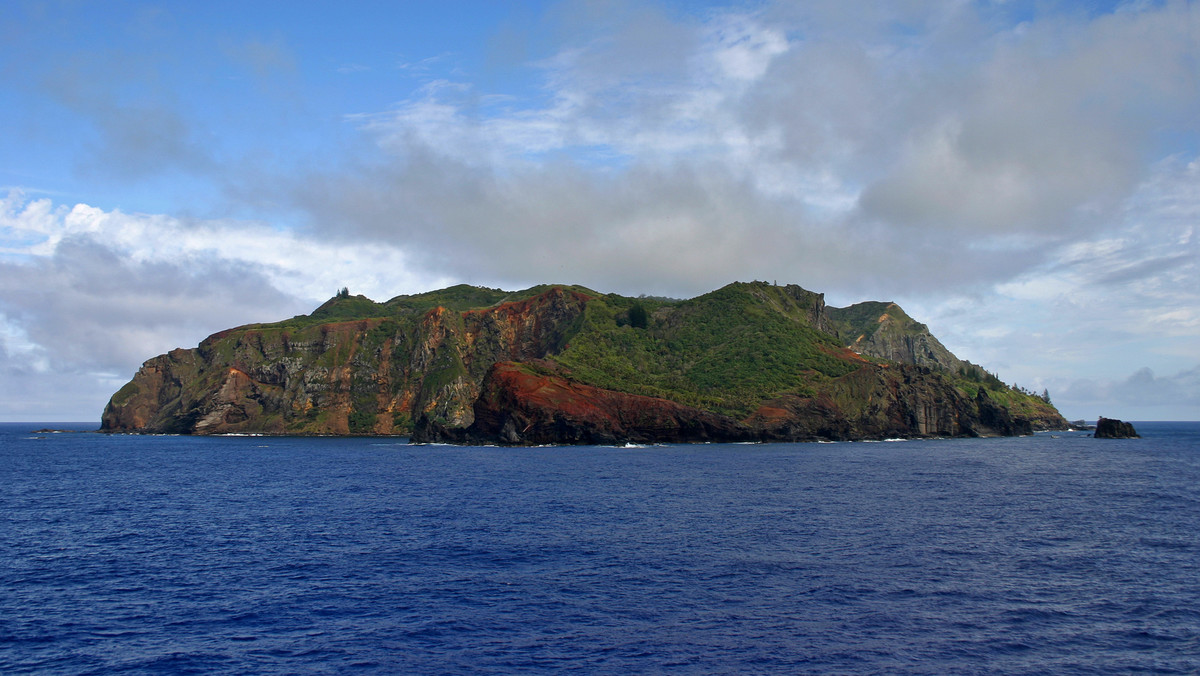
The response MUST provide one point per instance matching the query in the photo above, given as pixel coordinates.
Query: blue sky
(1024, 177)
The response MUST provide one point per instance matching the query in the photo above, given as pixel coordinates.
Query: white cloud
(1026, 141)
(1048, 133)
(743, 49)
(296, 265)
(1128, 299)
(15, 345)
(89, 294)
(636, 93)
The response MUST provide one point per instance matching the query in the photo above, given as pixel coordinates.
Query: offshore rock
(1109, 428)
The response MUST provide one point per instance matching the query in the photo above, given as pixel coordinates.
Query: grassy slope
(725, 351)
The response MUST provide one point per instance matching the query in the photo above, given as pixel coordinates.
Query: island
(562, 364)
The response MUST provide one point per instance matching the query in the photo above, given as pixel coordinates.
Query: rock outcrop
(885, 331)
(555, 365)
(1109, 428)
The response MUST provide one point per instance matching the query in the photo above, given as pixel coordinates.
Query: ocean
(1055, 553)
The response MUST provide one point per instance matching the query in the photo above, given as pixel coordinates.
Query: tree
(343, 292)
(638, 317)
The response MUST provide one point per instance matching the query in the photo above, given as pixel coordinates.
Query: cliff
(561, 364)
(884, 330)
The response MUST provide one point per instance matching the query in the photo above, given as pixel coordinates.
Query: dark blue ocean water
(128, 554)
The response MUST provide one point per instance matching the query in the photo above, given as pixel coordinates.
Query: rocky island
(1110, 428)
(568, 365)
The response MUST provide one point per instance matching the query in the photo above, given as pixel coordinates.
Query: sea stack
(1109, 428)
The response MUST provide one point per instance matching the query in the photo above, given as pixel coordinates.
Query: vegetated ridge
(568, 365)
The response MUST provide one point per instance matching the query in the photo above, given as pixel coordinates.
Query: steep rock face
(158, 384)
(1044, 418)
(792, 300)
(998, 419)
(883, 330)
(878, 402)
(521, 330)
(524, 405)
(367, 376)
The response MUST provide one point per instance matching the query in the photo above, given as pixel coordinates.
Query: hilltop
(566, 364)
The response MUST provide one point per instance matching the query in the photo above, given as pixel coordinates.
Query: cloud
(1140, 396)
(1050, 132)
(89, 307)
(1182, 389)
(87, 295)
(301, 267)
(1127, 297)
(821, 147)
(83, 318)
(139, 127)
(1034, 121)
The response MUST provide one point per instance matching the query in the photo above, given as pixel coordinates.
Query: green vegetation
(447, 367)
(971, 377)
(863, 319)
(638, 316)
(361, 421)
(123, 395)
(401, 422)
(1020, 402)
(457, 298)
(726, 351)
(348, 308)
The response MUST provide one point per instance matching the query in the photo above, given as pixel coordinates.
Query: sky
(1021, 176)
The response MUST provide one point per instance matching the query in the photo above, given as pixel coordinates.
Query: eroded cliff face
(504, 373)
(885, 331)
(875, 402)
(160, 382)
(533, 404)
(368, 376)
(528, 404)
